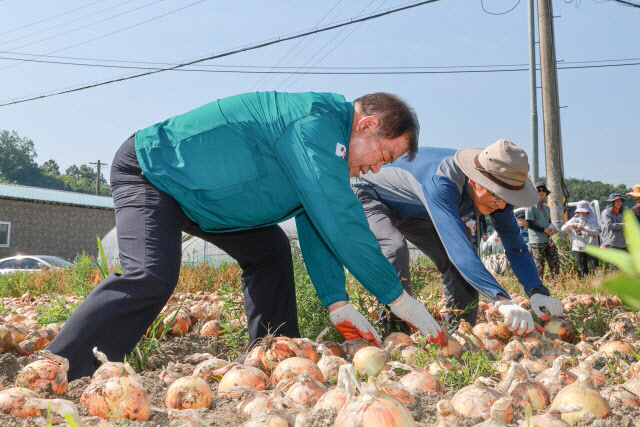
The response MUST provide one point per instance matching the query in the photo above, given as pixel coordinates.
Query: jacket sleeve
(607, 221)
(442, 199)
(516, 249)
(592, 228)
(334, 229)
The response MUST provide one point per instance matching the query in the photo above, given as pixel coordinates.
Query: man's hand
(554, 307)
(418, 317)
(353, 325)
(517, 319)
(550, 231)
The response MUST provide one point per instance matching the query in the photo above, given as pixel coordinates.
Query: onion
(386, 383)
(583, 346)
(397, 338)
(618, 395)
(12, 402)
(210, 369)
(181, 323)
(304, 390)
(523, 390)
(6, 342)
(293, 366)
(452, 347)
(532, 339)
(495, 330)
(308, 349)
(212, 328)
(583, 394)
(476, 400)
(33, 342)
(492, 345)
(409, 353)
(242, 375)
(332, 399)
(556, 377)
(352, 346)
(499, 411)
(422, 381)
(189, 393)
(561, 327)
(335, 348)
(370, 360)
(445, 414)
(271, 419)
(18, 332)
(117, 398)
(467, 332)
(110, 369)
(47, 375)
(256, 403)
(270, 351)
(609, 349)
(329, 364)
(374, 409)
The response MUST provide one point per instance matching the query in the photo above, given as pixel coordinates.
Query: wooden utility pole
(98, 164)
(551, 112)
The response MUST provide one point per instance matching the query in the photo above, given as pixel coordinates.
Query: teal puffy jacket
(256, 159)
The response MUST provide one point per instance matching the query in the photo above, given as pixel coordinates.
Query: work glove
(354, 325)
(517, 319)
(418, 317)
(553, 306)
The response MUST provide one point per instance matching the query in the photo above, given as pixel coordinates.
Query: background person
(584, 231)
(540, 231)
(524, 230)
(228, 172)
(612, 235)
(423, 202)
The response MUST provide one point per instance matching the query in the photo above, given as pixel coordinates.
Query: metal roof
(46, 195)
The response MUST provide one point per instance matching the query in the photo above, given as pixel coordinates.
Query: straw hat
(503, 169)
(635, 191)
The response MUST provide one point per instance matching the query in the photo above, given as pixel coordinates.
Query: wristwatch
(540, 289)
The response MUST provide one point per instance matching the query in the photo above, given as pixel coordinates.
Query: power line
(265, 69)
(230, 52)
(65, 23)
(628, 3)
(500, 13)
(50, 18)
(120, 30)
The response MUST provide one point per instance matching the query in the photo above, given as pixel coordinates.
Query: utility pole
(551, 112)
(99, 163)
(533, 93)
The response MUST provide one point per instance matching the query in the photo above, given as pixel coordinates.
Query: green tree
(17, 159)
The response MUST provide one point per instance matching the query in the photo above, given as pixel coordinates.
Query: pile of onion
(47, 374)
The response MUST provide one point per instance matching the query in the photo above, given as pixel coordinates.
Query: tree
(50, 167)
(17, 159)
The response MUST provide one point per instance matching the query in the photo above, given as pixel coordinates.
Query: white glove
(517, 319)
(417, 316)
(353, 325)
(553, 306)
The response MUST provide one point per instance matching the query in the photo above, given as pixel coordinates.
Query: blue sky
(600, 128)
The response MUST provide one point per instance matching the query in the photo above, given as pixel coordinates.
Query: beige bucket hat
(503, 169)
(635, 191)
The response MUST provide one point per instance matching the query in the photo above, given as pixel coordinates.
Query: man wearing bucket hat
(540, 231)
(423, 202)
(612, 235)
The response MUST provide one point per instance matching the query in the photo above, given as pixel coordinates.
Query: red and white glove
(553, 306)
(517, 319)
(418, 317)
(353, 325)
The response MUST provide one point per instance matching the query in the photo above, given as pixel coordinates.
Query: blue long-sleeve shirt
(433, 187)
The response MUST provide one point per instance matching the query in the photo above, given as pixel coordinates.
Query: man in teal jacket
(228, 172)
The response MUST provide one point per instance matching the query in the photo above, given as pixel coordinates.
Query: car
(31, 263)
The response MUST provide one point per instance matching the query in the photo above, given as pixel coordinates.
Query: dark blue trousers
(117, 313)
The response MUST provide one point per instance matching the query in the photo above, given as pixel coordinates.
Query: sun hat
(543, 186)
(614, 196)
(584, 206)
(503, 169)
(635, 191)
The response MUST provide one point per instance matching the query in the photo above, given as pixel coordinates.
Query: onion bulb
(498, 413)
(374, 409)
(609, 349)
(45, 374)
(242, 375)
(110, 369)
(329, 364)
(397, 338)
(210, 369)
(476, 400)
(370, 360)
(422, 381)
(293, 366)
(189, 393)
(583, 394)
(12, 402)
(117, 398)
(270, 351)
(332, 399)
(561, 327)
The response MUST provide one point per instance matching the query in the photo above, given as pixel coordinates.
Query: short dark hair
(396, 117)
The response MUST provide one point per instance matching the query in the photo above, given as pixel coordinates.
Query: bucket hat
(503, 169)
(614, 196)
(543, 186)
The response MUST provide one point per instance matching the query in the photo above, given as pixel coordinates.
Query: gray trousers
(393, 234)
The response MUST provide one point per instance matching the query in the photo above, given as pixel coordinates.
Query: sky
(600, 126)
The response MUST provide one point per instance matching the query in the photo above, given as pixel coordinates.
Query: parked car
(31, 263)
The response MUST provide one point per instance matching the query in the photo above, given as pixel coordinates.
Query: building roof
(59, 197)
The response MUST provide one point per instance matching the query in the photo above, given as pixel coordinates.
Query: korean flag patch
(341, 151)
